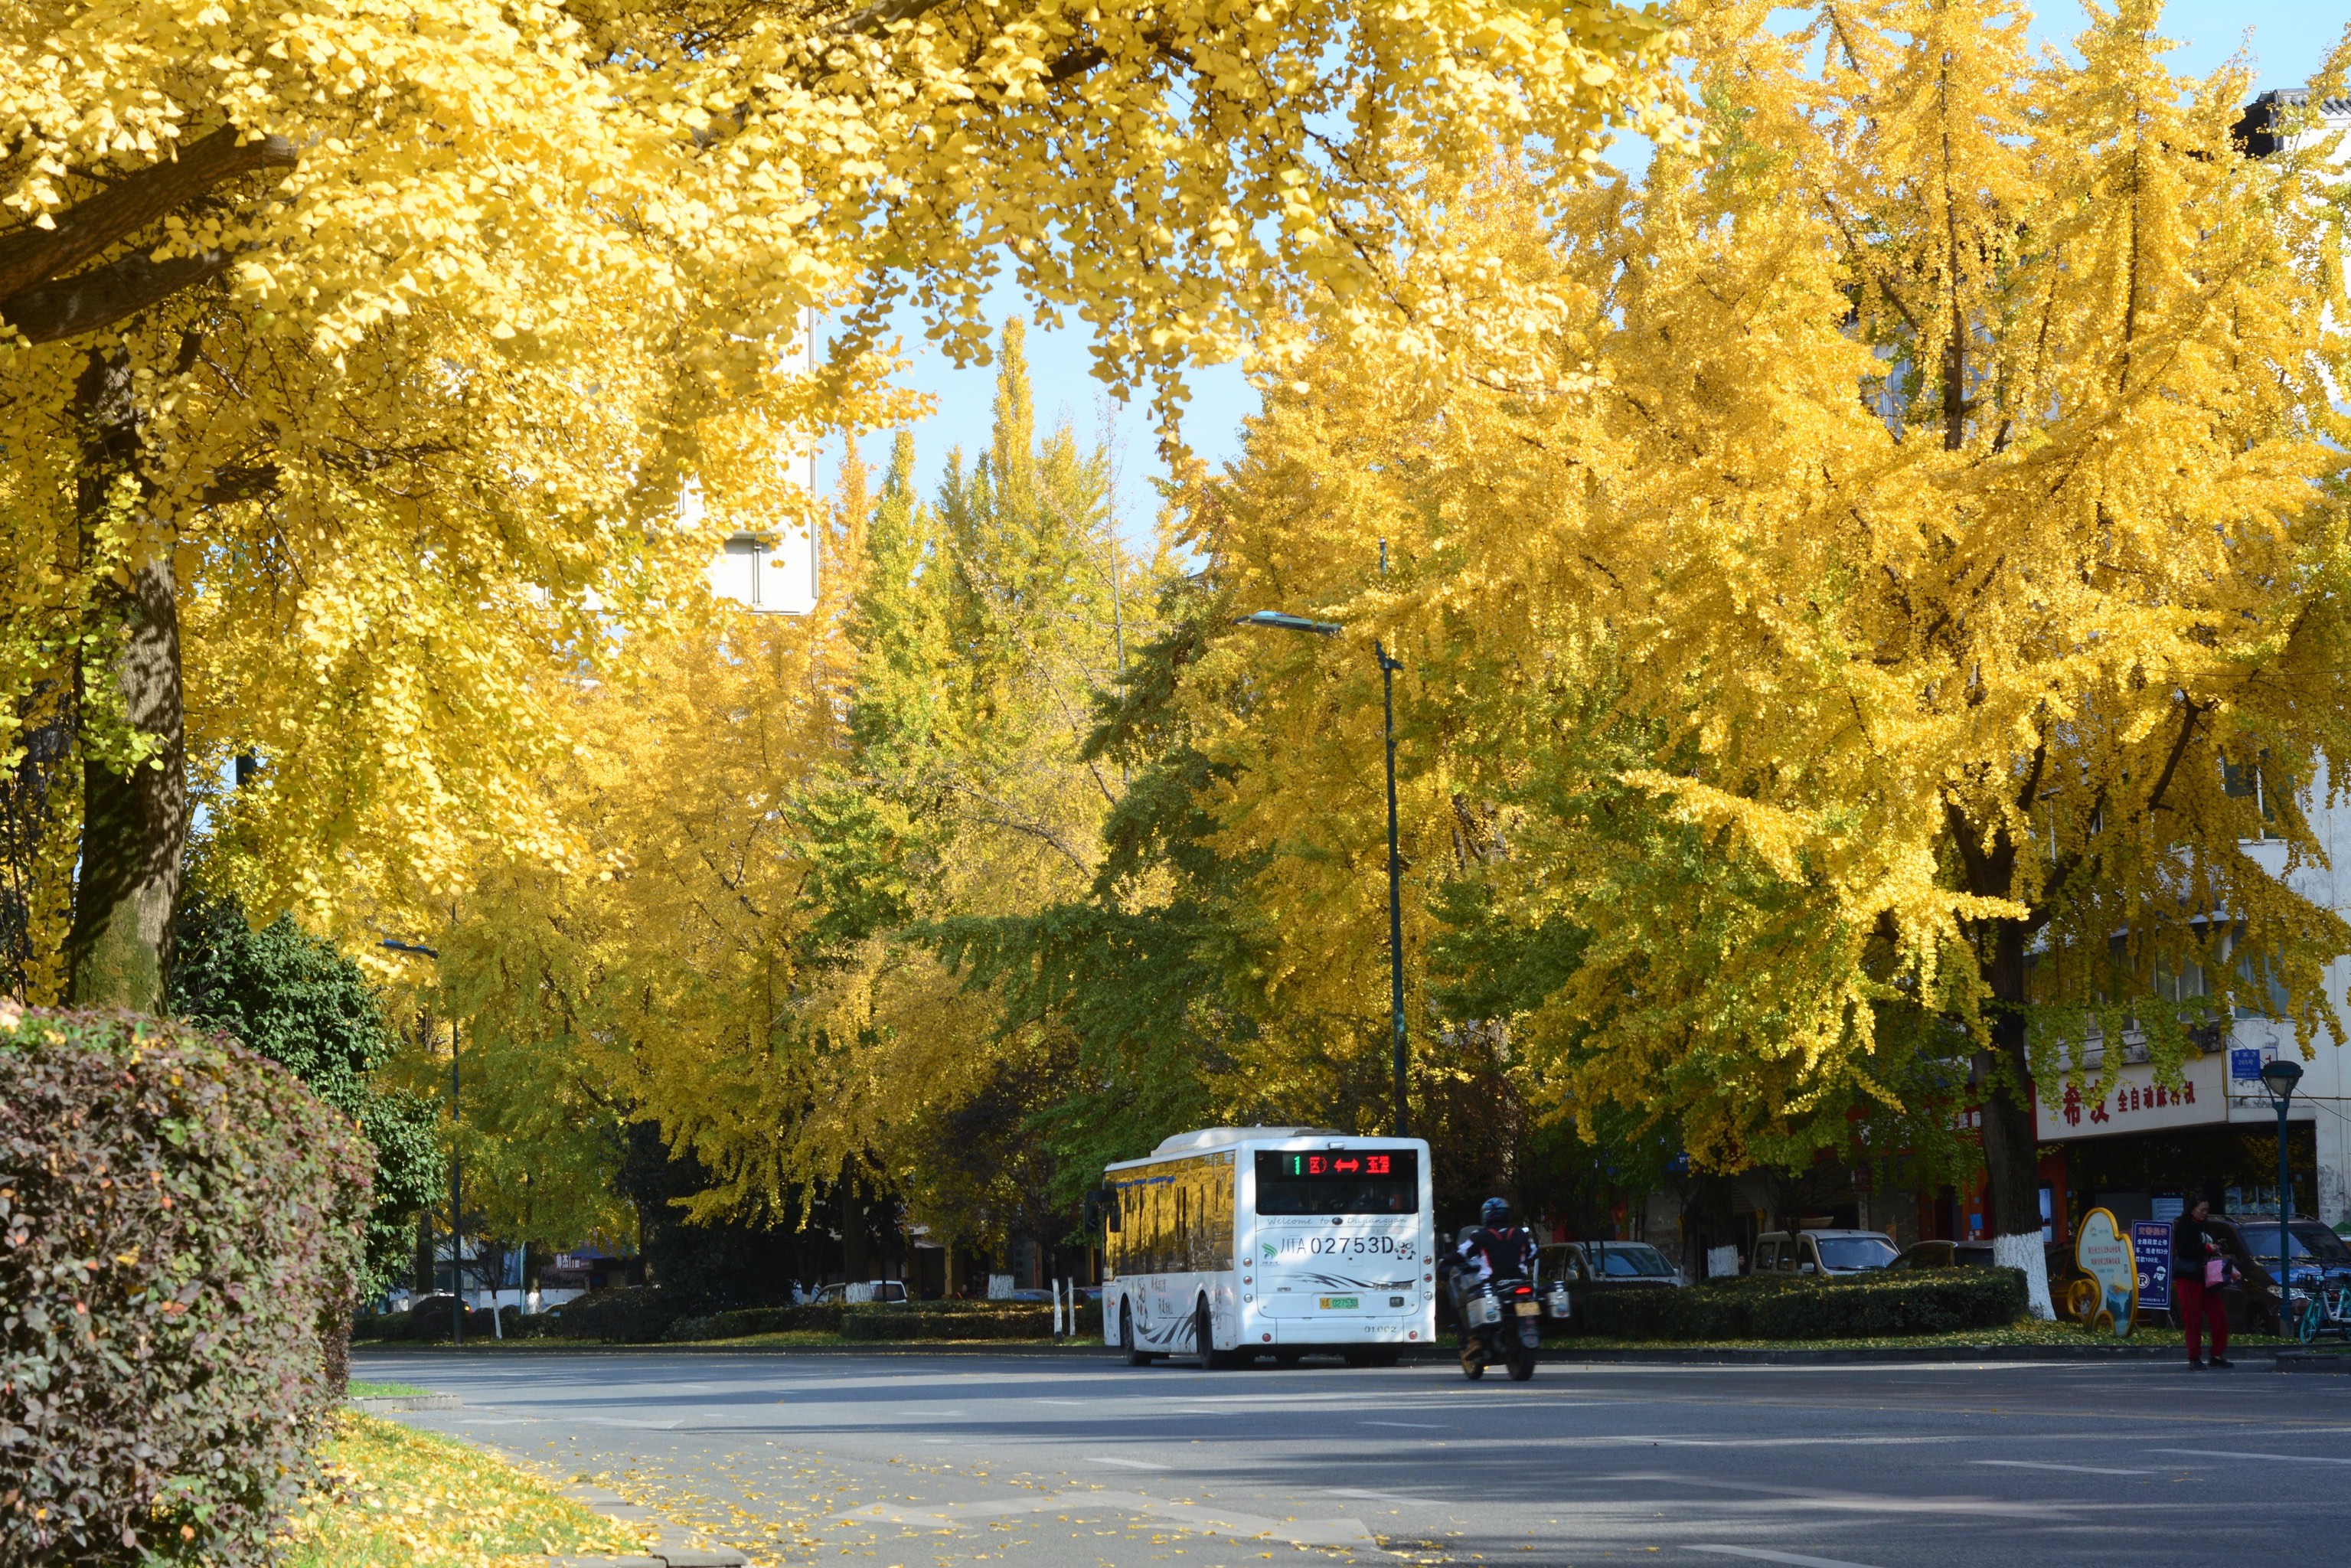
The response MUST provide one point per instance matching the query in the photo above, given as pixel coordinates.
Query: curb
(1555, 1354)
(664, 1552)
(1870, 1355)
(402, 1404)
(2335, 1361)
(704, 1347)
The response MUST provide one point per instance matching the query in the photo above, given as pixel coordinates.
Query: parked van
(1831, 1254)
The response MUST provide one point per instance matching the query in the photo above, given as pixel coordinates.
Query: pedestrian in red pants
(2199, 1305)
(2192, 1247)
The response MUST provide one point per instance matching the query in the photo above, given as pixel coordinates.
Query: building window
(2244, 781)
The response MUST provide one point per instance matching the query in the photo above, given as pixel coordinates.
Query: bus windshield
(1338, 1181)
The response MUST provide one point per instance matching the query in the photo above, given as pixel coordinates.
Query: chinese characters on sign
(2151, 1244)
(2127, 1101)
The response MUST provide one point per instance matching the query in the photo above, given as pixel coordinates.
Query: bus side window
(1161, 1222)
(1180, 1242)
(1220, 1225)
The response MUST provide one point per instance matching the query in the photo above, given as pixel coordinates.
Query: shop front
(2144, 1149)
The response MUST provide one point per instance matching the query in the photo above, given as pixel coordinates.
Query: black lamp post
(2279, 1077)
(456, 1166)
(1281, 621)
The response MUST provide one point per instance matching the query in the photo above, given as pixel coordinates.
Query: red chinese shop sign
(2136, 1103)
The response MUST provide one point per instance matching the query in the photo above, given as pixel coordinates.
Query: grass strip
(357, 1390)
(394, 1498)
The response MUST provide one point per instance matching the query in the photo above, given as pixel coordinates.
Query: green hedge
(640, 1314)
(628, 1314)
(948, 1320)
(913, 1321)
(181, 1228)
(1889, 1305)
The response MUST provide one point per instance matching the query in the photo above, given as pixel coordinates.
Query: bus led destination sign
(1296, 1166)
(1338, 1181)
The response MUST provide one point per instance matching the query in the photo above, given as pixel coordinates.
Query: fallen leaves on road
(396, 1498)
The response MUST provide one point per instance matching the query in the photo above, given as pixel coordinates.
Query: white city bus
(1237, 1242)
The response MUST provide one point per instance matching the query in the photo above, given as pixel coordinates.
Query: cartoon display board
(2106, 1255)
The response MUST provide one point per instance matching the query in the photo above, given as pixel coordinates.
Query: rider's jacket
(1489, 1252)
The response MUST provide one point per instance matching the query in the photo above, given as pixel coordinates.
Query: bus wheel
(1136, 1354)
(1204, 1338)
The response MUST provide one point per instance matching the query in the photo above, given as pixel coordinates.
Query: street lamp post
(1278, 620)
(2279, 1077)
(456, 1166)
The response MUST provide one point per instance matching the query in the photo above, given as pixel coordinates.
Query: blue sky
(2286, 39)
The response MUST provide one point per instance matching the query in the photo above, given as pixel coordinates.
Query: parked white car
(1836, 1254)
(863, 1292)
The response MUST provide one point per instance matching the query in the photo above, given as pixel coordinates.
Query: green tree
(296, 999)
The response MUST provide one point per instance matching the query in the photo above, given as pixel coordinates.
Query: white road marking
(1061, 1401)
(1641, 1440)
(1203, 1519)
(2070, 1470)
(1410, 1426)
(1864, 1502)
(1128, 1464)
(1759, 1555)
(1383, 1497)
(2226, 1454)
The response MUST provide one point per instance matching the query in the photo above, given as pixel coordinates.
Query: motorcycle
(1500, 1320)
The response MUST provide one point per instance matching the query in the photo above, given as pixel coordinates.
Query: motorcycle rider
(1498, 1248)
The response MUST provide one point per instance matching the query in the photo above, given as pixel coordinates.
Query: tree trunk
(2003, 1093)
(134, 813)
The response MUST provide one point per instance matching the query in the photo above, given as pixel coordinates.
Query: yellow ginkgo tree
(355, 354)
(1852, 585)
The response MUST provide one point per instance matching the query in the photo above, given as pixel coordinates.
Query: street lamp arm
(1283, 621)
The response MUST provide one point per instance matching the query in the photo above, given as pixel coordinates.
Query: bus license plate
(1527, 1309)
(1338, 1303)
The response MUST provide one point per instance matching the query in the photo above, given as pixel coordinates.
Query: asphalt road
(1077, 1461)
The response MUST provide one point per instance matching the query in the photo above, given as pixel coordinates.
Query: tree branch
(89, 301)
(84, 231)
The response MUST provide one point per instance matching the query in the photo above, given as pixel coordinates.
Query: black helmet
(1495, 1212)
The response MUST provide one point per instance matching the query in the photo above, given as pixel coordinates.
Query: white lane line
(1866, 1503)
(1658, 1440)
(1126, 1464)
(1759, 1555)
(2070, 1470)
(1205, 1520)
(1409, 1426)
(1381, 1496)
(2226, 1454)
(1061, 1401)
